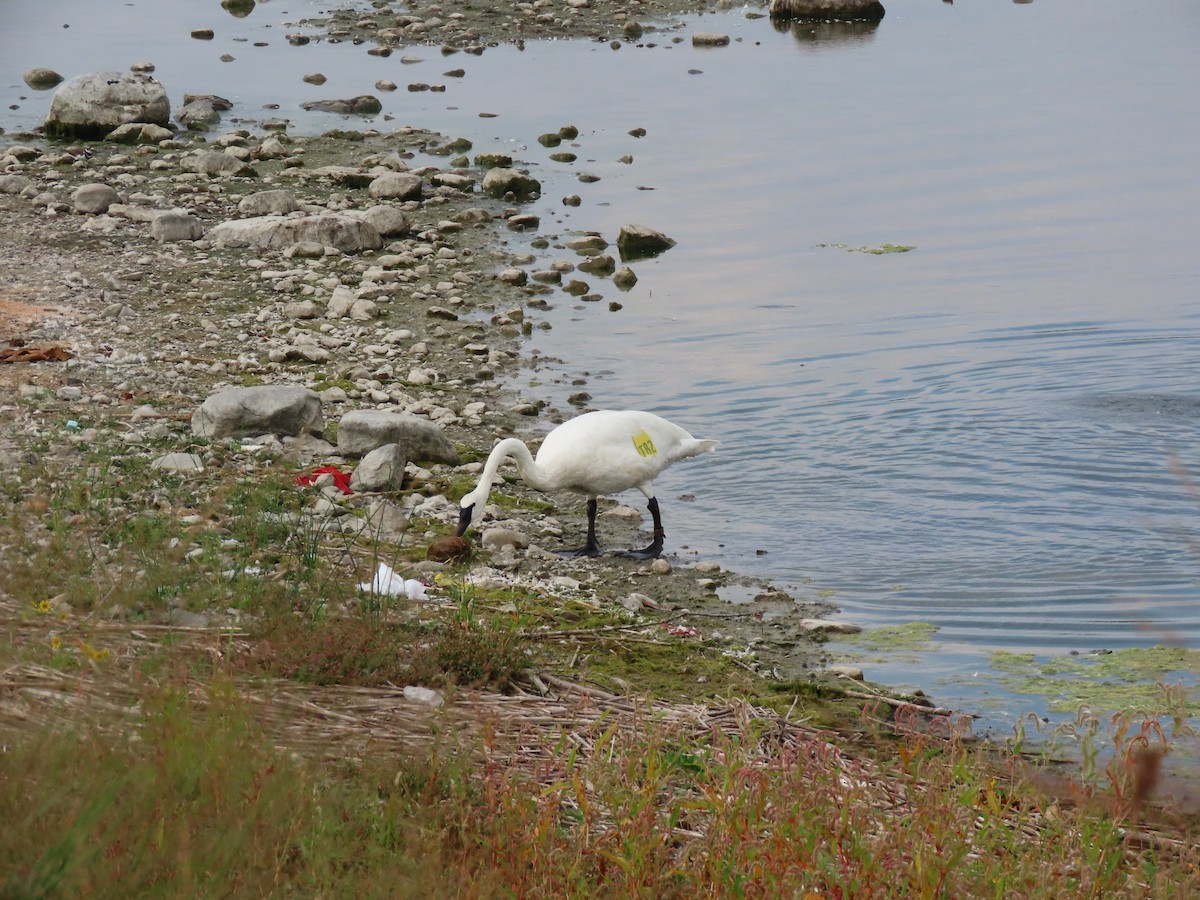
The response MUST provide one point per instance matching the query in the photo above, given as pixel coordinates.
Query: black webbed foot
(590, 549)
(652, 552)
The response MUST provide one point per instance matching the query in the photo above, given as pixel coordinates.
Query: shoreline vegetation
(197, 697)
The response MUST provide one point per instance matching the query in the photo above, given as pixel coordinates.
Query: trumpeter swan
(602, 452)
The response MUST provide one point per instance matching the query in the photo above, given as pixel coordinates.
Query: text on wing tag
(644, 446)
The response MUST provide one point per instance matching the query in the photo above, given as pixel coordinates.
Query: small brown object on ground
(448, 549)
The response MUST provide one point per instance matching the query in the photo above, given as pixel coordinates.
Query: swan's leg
(656, 546)
(592, 547)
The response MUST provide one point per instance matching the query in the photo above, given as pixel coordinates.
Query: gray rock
(499, 182)
(499, 538)
(178, 462)
(363, 105)
(380, 470)
(474, 215)
(94, 199)
(513, 276)
(709, 39)
(347, 176)
(280, 409)
(268, 203)
(239, 9)
(302, 309)
(271, 148)
(844, 10)
(216, 163)
(90, 106)
(493, 160)
(640, 242)
(827, 626)
(345, 233)
(396, 186)
(198, 112)
(361, 431)
(217, 103)
(41, 79)
(588, 243)
(384, 519)
(139, 133)
(182, 618)
(363, 310)
(14, 184)
(171, 227)
(305, 250)
(388, 220)
(625, 278)
(601, 265)
(464, 183)
(846, 671)
(341, 301)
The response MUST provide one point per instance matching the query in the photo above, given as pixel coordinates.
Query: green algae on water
(875, 251)
(910, 636)
(1131, 678)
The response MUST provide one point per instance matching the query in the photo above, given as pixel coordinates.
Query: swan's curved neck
(531, 473)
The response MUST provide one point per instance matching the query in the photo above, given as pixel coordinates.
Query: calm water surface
(978, 433)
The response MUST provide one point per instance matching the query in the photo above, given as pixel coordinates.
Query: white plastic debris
(425, 695)
(387, 582)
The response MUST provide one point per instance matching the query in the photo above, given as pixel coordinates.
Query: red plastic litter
(340, 478)
(680, 630)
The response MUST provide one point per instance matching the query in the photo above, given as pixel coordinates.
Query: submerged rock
(199, 113)
(364, 105)
(640, 242)
(42, 79)
(499, 182)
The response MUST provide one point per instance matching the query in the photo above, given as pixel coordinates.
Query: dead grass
(120, 775)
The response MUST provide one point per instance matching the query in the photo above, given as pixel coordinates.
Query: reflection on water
(978, 433)
(816, 31)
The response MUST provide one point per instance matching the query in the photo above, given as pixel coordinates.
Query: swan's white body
(595, 454)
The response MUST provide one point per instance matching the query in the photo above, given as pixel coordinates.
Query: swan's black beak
(464, 520)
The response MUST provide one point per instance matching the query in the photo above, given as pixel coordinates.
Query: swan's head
(464, 518)
(467, 506)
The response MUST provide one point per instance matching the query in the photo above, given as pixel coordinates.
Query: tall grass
(198, 802)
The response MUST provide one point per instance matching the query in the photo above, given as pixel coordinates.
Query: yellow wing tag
(643, 444)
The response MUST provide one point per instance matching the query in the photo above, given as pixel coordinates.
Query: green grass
(186, 763)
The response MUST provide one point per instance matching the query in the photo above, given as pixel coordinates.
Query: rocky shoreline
(174, 268)
(429, 326)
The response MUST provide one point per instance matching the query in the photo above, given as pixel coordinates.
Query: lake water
(985, 433)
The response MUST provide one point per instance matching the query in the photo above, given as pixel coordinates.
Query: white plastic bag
(387, 582)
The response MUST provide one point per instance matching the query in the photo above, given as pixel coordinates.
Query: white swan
(598, 453)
